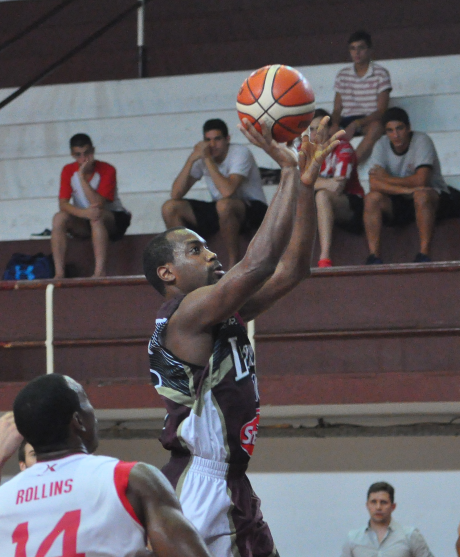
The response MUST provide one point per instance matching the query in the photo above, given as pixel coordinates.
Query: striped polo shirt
(359, 94)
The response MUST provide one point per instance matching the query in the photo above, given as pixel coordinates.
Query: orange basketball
(281, 97)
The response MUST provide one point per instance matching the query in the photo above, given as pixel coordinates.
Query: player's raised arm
(159, 511)
(294, 265)
(10, 438)
(204, 307)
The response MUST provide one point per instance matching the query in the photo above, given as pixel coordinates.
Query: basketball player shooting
(201, 360)
(74, 504)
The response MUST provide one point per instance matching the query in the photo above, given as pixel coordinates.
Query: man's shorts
(355, 224)
(403, 209)
(346, 120)
(219, 501)
(208, 220)
(122, 221)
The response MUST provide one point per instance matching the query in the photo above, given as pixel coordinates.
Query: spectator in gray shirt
(383, 536)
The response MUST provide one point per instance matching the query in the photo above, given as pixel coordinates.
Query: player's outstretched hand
(312, 155)
(279, 152)
(10, 438)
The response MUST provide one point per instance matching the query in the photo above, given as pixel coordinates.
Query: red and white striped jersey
(342, 163)
(359, 94)
(70, 507)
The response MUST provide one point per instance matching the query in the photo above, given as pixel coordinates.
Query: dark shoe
(373, 260)
(422, 258)
(45, 235)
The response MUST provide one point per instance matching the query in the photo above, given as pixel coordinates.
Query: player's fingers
(266, 131)
(321, 134)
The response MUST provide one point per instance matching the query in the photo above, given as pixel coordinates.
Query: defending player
(201, 360)
(77, 505)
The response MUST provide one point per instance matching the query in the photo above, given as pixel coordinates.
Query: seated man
(233, 180)
(383, 535)
(362, 92)
(96, 211)
(405, 185)
(339, 195)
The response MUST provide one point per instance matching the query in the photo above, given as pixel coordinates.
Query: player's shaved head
(159, 251)
(44, 408)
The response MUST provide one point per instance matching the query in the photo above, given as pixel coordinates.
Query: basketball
(281, 97)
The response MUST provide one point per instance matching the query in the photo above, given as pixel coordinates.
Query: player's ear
(77, 422)
(166, 273)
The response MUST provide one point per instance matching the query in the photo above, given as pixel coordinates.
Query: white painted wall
(310, 513)
(147, 127)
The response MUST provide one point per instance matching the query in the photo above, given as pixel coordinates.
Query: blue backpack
(29, 267)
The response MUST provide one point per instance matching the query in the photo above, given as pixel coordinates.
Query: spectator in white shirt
(233, 180)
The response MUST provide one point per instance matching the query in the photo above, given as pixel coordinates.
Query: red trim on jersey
(68, 171)
(107, 183)
(121, 478)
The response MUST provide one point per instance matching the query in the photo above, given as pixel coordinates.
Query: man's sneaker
(373, 260)
(45, 235)
(422, 258)
(325, 263)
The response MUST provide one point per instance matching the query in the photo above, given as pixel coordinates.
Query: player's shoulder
(104, 166)
(355, 535)
(346, 71)
(379, 69)
(70, 168)
(238, 149)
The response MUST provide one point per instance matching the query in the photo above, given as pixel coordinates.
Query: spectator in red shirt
(96, 210)
(339, 195)
(362, 91)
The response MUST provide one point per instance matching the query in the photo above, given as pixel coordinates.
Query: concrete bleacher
(147, 127)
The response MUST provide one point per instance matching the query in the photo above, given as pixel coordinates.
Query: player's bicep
(210, 305)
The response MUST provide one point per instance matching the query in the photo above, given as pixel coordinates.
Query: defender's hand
(279, 152)
(10, 438)
(312, 155)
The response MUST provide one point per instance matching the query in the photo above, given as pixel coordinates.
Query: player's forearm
(91, 195)
(181, 184)
(72, 210)
(384, 187)
(273, 235)
(222, 183)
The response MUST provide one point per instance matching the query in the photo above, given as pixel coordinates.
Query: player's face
(380, 507)
(83, 154)
(399, 135)
(87, 416)
(360, 53)
(218, 144)
(195, 265)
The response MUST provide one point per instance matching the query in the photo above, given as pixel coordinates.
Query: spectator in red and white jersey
(362, 92)
(96, 210)
(339, 195)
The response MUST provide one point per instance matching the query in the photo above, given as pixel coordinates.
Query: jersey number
(68, 525)
(240, 374)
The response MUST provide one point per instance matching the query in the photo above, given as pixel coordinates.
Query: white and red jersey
(70, 507)
(342, 163)
(103, 180)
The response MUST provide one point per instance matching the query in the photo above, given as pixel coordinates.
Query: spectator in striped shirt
(362, 92)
